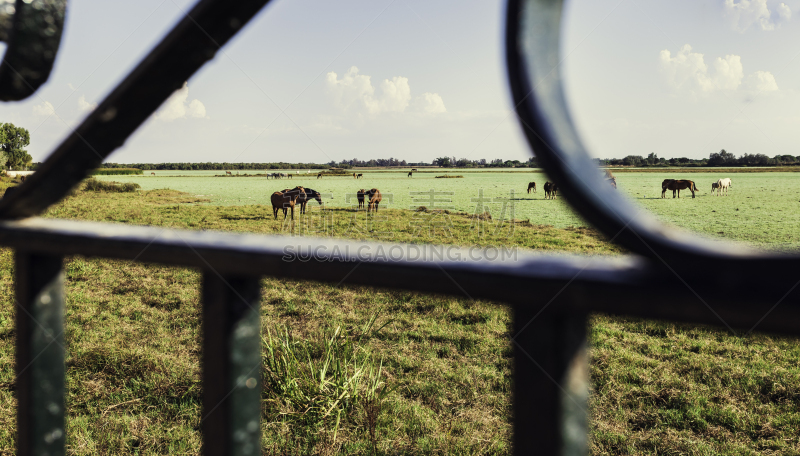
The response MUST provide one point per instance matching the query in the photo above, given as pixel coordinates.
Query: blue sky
(313, 81)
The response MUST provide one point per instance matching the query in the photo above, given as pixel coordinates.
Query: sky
(684, 79)
(315, 81)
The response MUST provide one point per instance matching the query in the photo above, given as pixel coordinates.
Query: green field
(132, 338)
(763, 209)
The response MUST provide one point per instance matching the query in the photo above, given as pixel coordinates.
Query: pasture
(763, 209)
(439, 368)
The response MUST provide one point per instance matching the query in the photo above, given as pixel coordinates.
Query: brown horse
(285, 200)
(532, 186)
(308, 194)
(319, 176)
(550, 190)
(374, 198)
(409, 174)
(228, 173)
(360, 195)
(677, 184)
(153, 174)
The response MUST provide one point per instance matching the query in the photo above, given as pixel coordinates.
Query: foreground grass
(133, 354)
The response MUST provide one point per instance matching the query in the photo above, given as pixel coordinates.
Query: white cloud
(177, 107)
(762, 81)
(747, 13)
(784, 11)
(84, 105)
(687, 71)
(44, 109)
(355, 93)
(430, 103)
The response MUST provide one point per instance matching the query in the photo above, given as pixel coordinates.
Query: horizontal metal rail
(616, 284)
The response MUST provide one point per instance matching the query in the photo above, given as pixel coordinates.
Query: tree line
(721, 158)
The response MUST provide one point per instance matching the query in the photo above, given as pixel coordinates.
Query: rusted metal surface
(40, 354)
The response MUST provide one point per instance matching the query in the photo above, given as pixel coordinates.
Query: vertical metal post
(40, 354)
(231, 365)
(551, 383)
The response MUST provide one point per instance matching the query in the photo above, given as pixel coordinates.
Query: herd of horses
(676, 185)
(550, 189)
(287, 199)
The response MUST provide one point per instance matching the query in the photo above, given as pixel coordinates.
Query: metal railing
(551, 296)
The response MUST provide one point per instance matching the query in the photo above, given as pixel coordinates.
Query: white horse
(723, 185)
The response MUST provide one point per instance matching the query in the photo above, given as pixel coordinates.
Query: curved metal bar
(191, 43)
(32, 29)
(532, 52)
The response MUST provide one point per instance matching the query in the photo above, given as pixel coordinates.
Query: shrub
(447, 176)
(115, 171)
(94, 185)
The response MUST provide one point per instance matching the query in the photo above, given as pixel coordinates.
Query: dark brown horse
(374, 197)
(285, 200)
(410, 173)
(677, 185)
(532, 186)
(550, 190)
(360, 195)
(308, 194)
(359, 176)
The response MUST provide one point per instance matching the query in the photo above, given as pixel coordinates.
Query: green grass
(116, 171)
(416, 374)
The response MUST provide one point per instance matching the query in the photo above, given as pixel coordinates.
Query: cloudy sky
(314, 81)
(684, 78)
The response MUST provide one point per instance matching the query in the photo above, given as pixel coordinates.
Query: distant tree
(444, 162)
(722, 158)
(652, 158)
(14, 140)
(633, 160)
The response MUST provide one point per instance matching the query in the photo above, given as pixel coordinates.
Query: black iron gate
(551, 296)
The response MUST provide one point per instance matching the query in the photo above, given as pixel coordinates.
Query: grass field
(441, 363)
(763, 209)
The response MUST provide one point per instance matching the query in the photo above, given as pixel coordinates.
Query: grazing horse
(354, 175)
(723, 185)
(532, 186)
(360, 195)
(319, 176)
(414, 170)
(228, 173)
(359, 176)
(285, 200)
(550, 190)
(677, 184)
(289, 176)
(153, 174)
(374, 197)
(308, 194)
(410, 173)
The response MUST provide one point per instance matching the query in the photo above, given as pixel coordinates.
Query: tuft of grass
(318, 385)
(94, 185)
